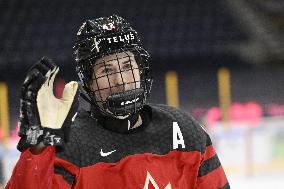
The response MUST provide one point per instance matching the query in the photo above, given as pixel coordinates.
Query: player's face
(115, 73)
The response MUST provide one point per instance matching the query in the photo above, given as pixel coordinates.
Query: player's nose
(118, 81)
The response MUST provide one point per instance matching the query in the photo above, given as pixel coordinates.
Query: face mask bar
(126, 96)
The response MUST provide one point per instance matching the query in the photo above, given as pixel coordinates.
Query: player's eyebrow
(103, 65)
(127, 61)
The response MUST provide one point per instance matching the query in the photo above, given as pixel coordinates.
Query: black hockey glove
(44, 118)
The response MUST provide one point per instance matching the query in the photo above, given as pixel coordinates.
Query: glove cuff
(38, 134)
(53, 137)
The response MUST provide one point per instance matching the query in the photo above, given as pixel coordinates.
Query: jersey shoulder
(193, 132)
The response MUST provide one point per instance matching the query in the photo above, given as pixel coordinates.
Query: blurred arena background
(221, 61)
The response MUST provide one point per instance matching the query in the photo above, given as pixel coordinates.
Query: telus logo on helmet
(121, 38)
(114, 39)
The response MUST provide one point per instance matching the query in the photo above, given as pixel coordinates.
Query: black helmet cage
(87, 51)
(86, 75)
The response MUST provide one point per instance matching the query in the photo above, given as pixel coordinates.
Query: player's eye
(127, 66)
(106, 70)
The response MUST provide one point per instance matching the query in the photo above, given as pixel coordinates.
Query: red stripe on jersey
(209, 153)
(215, 179)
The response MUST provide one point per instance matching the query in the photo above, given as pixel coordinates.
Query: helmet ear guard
(103, 37)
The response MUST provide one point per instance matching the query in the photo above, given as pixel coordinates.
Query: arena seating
(31, 29)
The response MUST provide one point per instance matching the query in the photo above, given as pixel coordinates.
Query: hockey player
(122, 142)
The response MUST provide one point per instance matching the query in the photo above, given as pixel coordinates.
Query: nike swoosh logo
(104, 154)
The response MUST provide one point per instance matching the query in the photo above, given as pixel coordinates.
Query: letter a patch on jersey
(177, 136)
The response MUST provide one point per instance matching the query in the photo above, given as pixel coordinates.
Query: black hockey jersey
(170, 132)
(172, 151)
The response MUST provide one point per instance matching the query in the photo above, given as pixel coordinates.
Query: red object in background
(275, 110)
(241, 114)
(237, 112)
(59, 87)
(213, 116)
(14, 133)
(1, 133)
(253, 111)
(250, 112)
(199, 113)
